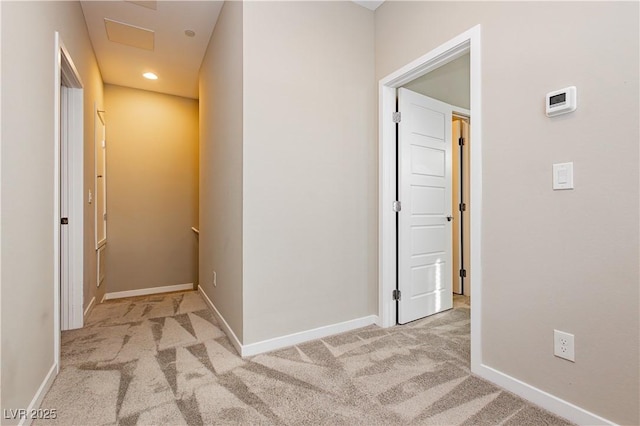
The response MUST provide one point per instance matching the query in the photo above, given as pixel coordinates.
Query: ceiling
(174, 56)
(369, 4)
(133, 37)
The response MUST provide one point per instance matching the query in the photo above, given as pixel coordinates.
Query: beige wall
(152, 189)
(221, 100)
(565, 259)
(449, 83)
(310, 161)
(27, 220)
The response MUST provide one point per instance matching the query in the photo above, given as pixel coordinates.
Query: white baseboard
(307, 335)
(225, 326)
(290, 339)
(147, 291)
(544, 399)
(89, 307)
(39, 396)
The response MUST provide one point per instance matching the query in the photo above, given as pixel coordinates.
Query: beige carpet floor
(163, 360)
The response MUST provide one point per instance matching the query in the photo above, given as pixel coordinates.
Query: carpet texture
(163, 360)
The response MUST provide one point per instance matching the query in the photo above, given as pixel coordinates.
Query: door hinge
(397, 206)
(64, 221)
(462, 207)
(397, 117)
(397, 295)
(461, 141)
(104, 216)
(463, 273)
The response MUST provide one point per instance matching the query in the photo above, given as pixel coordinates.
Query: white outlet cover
(563, 345)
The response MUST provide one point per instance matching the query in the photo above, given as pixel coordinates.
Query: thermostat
(561, 101)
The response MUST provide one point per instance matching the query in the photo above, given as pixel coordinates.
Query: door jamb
(464, 115)
(65, 71)
(469, 41)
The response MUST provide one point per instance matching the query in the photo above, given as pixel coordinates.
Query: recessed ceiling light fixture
(189, 33)
(150, 76)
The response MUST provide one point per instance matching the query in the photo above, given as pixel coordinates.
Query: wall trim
(307, 335)
(39, 396)
(147, 291)
(544, 399)
(89, 307)
(289, 339)
(223, 323)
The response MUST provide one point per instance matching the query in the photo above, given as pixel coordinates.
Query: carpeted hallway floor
(162, 360)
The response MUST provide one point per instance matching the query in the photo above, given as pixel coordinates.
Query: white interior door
(65, 287)
(425, 218)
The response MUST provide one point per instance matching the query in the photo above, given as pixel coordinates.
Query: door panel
(424, 189)
(65, 273)
(427, 239)
(427, 200)
(427, 161)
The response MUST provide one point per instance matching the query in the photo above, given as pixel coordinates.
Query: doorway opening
(68, 195)
(466, 43)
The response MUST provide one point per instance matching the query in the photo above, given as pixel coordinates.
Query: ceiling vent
(148, 4)
(133, 36)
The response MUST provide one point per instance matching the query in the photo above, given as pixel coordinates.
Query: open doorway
(451, 83)
(428, 189)
(467, 43)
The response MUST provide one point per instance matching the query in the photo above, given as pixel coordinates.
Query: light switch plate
(563, 176)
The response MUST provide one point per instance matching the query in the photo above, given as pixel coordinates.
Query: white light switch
(563, 176)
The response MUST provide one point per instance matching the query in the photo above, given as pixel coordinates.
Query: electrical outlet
(563, 345)
(215, 284)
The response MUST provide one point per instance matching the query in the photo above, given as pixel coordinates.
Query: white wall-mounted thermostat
(561, 101)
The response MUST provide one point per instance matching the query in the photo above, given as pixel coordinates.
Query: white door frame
(467, 42)
(68, 311)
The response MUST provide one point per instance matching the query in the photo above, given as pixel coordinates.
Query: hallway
(163, 360)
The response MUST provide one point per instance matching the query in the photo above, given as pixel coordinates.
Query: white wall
(551, 259)
(221, 165)
(27, 169)
(310, 166)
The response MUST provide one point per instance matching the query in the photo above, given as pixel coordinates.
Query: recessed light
(189, 33)
(150, 76)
